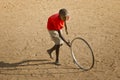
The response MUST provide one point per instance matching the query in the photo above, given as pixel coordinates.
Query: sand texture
(24, 39)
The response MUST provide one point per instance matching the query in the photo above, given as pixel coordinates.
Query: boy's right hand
(69, 44)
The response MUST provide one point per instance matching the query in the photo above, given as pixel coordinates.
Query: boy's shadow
(24, 63)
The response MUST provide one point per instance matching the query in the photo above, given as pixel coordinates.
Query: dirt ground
(24, 39)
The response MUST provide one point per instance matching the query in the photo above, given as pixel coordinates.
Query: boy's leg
(51, 50)
(57, 54)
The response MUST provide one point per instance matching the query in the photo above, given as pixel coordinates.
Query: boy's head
(63, 13)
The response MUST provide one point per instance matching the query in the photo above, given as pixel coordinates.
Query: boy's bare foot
(49, 52)
(57, 63)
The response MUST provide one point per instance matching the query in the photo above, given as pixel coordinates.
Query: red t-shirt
(55, 23)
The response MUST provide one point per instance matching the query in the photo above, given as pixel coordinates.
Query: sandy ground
(24, 39)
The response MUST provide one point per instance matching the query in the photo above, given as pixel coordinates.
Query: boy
(55, 24)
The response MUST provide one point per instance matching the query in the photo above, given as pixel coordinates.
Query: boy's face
(64, 18)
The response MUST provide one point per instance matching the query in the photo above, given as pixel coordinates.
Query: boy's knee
(61, 44)
(57, 46)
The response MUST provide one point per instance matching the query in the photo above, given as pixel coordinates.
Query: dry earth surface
(24, 39)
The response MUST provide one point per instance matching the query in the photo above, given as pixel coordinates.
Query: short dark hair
(63, 12)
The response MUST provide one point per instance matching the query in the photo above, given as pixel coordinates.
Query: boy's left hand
(66, 32)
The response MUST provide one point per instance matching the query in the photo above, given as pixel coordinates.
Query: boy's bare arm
(66, 28)
(63, 38)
